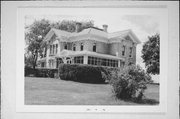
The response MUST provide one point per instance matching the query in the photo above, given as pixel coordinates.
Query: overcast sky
(142, 25)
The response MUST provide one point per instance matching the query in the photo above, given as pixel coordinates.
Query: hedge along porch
(86, 57)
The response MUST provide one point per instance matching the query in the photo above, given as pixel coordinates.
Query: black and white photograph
(103, 58)
(92, 60)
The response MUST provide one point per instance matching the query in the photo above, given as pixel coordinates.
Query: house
(91, 46)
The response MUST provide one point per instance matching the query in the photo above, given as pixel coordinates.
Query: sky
(142, 25)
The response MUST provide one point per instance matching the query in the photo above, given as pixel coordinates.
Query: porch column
(85, 60)
(119, 63)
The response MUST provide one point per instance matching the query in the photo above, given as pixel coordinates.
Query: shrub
(39, 72)
(46, 72)
(29, 71)
(131, 83)
(83, 73)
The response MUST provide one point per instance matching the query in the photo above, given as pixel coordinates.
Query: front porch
(82, 57)
(87, 57)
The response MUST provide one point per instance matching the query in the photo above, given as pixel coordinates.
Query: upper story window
(123, 50)
(82, 46)
(74, 47)
(65, 46)
(44, 52)
(56, 48)
(53, 49)
(130, 52)
(94, 47)
(50, 49)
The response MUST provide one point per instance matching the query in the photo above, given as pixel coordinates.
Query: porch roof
(69, 53)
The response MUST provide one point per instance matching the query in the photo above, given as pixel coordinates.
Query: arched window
(65, 46)
(74, 47)
(82, 46)
(94, 47)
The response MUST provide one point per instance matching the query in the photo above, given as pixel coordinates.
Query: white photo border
(161, 108)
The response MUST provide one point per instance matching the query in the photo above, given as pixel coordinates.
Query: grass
(49, 91)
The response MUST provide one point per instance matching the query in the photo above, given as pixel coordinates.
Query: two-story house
(91, 46)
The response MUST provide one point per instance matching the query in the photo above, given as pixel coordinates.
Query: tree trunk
(35, 60)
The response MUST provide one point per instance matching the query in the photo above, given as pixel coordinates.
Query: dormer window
(94, 47)
(123, 50)
(74, 47)
(130, 52)
(82, 46)
(65, 46)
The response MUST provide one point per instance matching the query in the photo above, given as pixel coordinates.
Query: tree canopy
(35, 33)
(150, 54)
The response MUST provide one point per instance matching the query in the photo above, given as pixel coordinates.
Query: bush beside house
(130, 83)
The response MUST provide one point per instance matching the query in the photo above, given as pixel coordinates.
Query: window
(122, 64)
(94, 47)
(74, 47)
(45, 51)
(130, 63)
(50, 49)
(53, 49)
(123, 50)
(68, 60)
(56, 48)
(79, 59)
(51, 63)
(65, 46)
(102, 62)
(81, 46)
(43, 64)
(130, 52)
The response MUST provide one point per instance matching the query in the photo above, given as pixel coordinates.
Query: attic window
(128, 38)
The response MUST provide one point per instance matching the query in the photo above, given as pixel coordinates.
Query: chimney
(105, 27)
(78, 25)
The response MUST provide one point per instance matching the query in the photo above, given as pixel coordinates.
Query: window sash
(102, 62)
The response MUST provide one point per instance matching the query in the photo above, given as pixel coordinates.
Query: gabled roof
(95, 32)
(123, 34)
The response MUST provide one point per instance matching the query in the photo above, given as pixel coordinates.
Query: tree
(34, 39)
(70, 25)
(36, 32)
(150, 54)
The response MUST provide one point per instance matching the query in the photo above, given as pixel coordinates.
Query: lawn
(50, 91)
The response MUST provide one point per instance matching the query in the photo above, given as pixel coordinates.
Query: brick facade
(102, 46)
